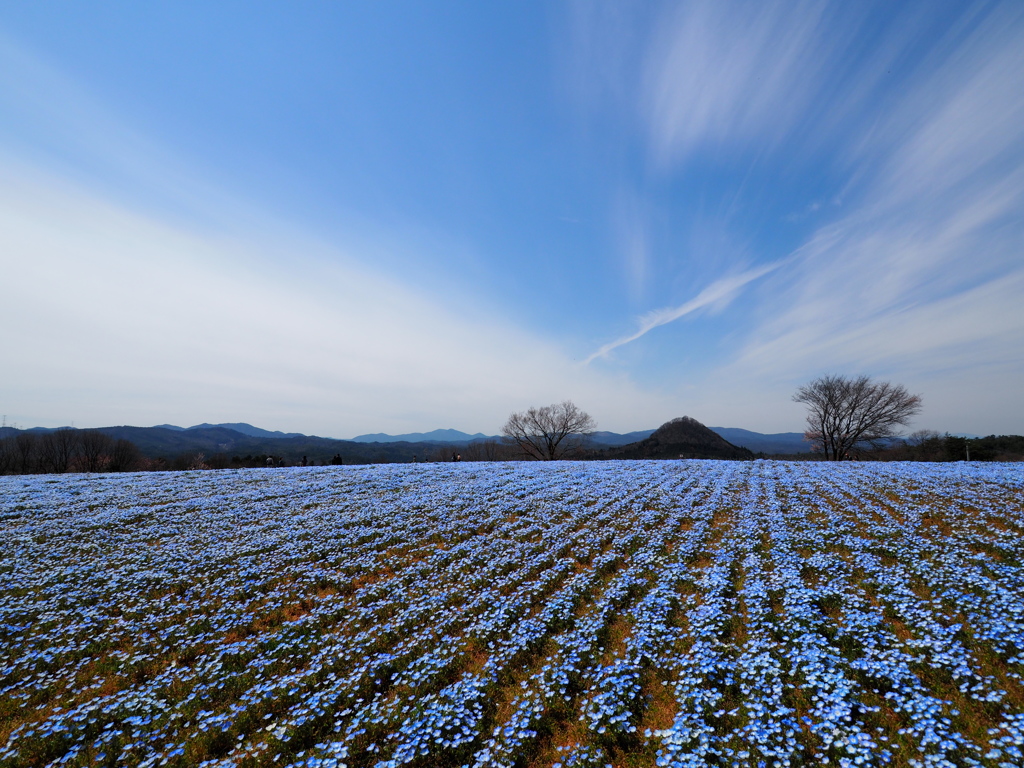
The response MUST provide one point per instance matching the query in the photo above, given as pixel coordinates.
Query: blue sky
(343, 218)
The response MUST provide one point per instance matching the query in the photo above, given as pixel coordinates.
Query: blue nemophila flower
(385, 614)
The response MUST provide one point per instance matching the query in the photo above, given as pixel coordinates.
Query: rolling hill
(681, 438)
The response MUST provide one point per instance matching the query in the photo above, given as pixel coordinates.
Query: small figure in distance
(458, 457)
(270, 461)
(304, 462)
(455, 456)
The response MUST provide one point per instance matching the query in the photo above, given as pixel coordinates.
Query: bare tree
(473, 452)
(8, 456)
(488, 450)
(124, 457)
(440, 453)
(922, 436)
(551, 432)
(496, 451)
(96, 448)
(845, 412)
(58, 449)
(26, 445)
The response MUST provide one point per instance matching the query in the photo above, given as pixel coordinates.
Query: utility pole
(968, 450)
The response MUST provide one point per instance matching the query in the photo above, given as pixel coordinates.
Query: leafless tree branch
(845, 412)
(549, 433)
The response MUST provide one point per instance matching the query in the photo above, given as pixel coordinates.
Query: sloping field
(587, 614)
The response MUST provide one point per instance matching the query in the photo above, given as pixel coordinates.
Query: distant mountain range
(242, 427)
(777, 443)
(239, 437)
(437, 436)
(241, 444)
(614, 438)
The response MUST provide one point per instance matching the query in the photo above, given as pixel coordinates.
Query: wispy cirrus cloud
(721, 73)
(719, 291)
(915, 116)
(728, 75)
(922, 278)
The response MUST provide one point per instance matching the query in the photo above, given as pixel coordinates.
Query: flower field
(682, 613)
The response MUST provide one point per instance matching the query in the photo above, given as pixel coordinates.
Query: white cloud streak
(719, 291)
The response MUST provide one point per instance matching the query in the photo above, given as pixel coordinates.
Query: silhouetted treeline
(482, 450)
(931, 446)
(67, 450)
(94, 450)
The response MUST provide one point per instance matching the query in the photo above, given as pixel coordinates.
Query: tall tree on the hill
(96, 448)
(25, 446)
(551, 432)
(58, 449)
(124, 456)
(846, 412)
(8, 456)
